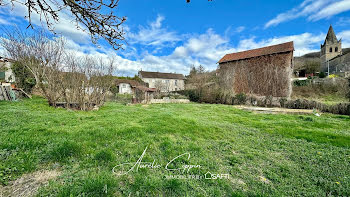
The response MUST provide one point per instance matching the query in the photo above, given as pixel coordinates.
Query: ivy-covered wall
(268, 75)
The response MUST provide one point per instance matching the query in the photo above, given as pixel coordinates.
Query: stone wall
(339, 64)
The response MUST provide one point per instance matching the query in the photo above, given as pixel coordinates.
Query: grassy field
(264, 154)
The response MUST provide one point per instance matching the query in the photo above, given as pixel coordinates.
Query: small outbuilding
(141, 93)
(265, 71)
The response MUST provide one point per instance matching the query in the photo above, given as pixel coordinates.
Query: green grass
(265, 154)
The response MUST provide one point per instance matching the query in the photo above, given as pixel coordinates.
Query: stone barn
(265, 71)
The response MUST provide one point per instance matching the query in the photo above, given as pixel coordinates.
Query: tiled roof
(133, 83)
(280, 48)
(4, 59)
(159, 75)
(146, 89)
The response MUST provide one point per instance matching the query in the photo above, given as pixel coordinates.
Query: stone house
(6, 74)
(164, 82)
(265, 71)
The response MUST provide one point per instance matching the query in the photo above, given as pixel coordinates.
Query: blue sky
(172, 35)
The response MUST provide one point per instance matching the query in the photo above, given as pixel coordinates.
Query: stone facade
(165, 85)
(340, 64)
(164, 82)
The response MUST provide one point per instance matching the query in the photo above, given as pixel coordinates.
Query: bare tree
(97, 17)
(39, 54)
(80, 82)
(88, 80)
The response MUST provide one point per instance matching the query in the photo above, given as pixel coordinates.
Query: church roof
(331, 37)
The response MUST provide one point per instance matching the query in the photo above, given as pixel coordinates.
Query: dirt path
(28, 184)
(274, 110)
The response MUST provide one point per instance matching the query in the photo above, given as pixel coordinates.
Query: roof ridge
(267, 50)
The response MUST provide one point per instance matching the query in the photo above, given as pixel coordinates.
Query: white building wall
(125, 88)
(166, 85)
(9, 75)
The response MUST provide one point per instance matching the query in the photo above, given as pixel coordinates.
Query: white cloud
(303, 43)
(314, 10)
(201, 49)
(332, 9)
(153, 34)
(240, 29)
(65, 26)
(345, 36)
(4, 22)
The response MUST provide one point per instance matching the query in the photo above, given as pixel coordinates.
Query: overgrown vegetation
(312, 67)
(265, 154)
(24, 78)
(79, 82)
(326, 91)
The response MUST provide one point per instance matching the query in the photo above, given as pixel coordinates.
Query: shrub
(241, 98)
(282, 101)
(302, 82)
(24, 78)
(341, 108)
(322, 75)
(333, 76)
(193, 95)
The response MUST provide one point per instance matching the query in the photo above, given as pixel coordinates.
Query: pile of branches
(79, 82)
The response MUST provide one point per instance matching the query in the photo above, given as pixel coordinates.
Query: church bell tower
(331, 47)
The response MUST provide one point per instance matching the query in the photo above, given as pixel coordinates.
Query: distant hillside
(317, 54)
(310, 57)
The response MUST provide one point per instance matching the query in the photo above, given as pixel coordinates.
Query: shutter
(2, 75)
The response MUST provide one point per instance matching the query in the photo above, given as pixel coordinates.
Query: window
(336, 49)
(124, 85)
(330, 50)
(2, 75)
(176, 82)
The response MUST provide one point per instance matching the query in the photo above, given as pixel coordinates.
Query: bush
(241, 98)
(193, 95)
(322, 75)
(333, 76)
(341, 108)
(302, 82)
(24, 78)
